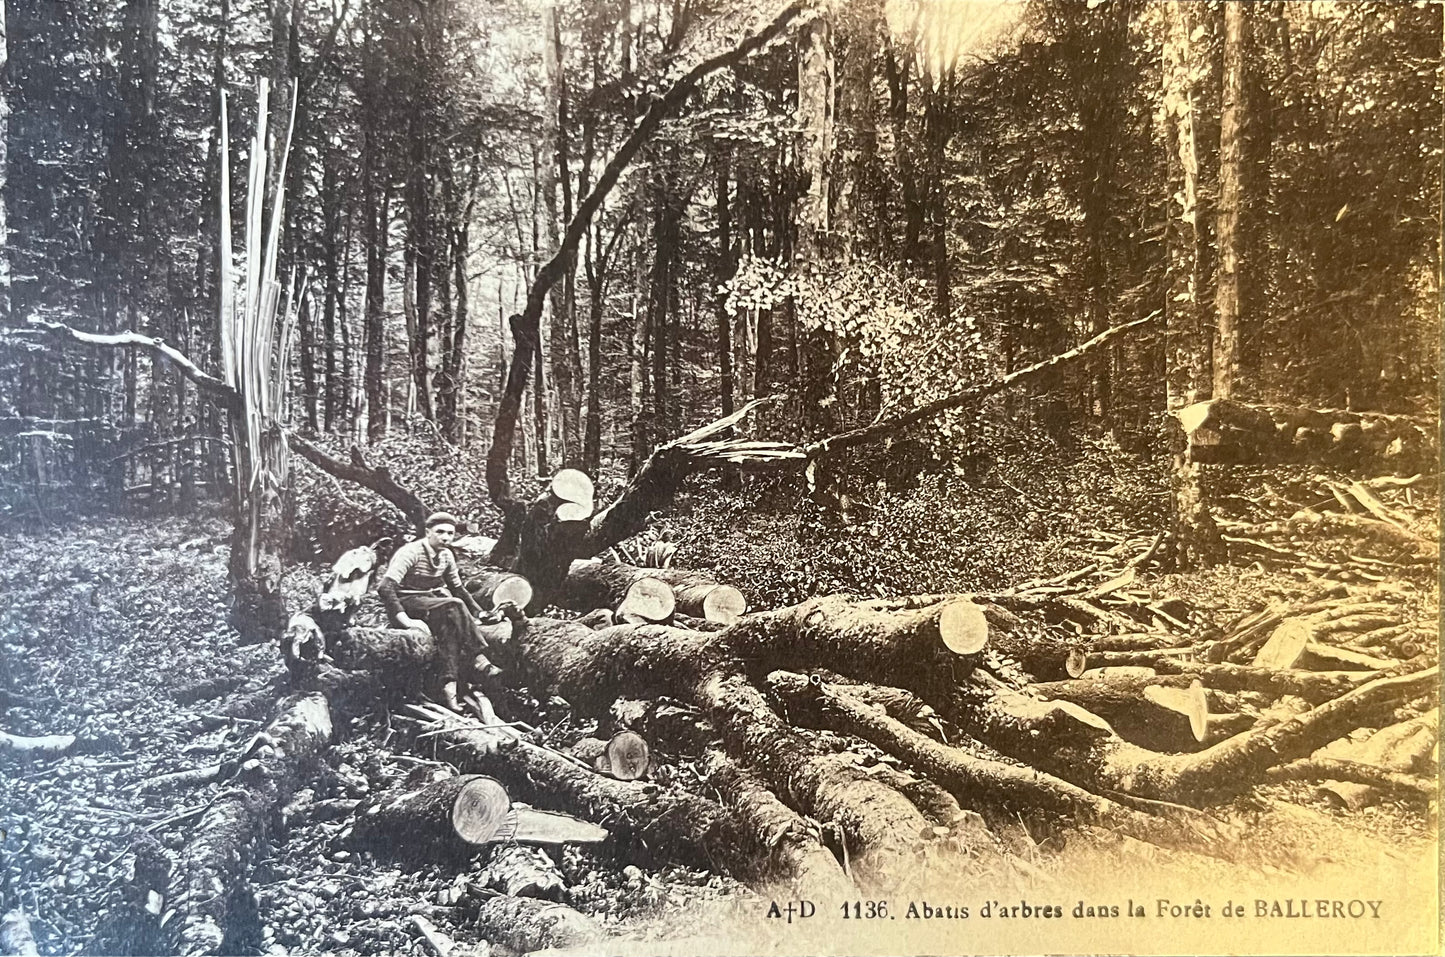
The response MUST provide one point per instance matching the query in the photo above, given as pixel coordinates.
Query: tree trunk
(1234, 125)
(232, 835)
(1063, 739)
(333, 398)
(1195, 538)
(819, 346)
(377, 219)
(996, 785)
(598, 584)
(526, 925)
(566, 363)
(653, 823)
(727, 266)
(457, 368)
(5, 100)
(447, 820)
(421, 247)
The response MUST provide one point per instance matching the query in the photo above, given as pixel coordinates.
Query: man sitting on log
(422, 589)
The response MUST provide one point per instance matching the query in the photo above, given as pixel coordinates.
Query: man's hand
(416, 624)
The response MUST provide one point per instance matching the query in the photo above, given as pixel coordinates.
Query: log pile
(1224, 431)
(841, 746)
(836, 746)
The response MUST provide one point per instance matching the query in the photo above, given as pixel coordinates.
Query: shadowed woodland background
(907, 196)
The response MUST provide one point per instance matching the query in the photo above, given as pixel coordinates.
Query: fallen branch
(1064, 739)
(45, 746)
(972, 779)
(359, 471)
(1331, 769)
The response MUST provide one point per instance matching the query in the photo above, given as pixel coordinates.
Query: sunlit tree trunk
(566, 363)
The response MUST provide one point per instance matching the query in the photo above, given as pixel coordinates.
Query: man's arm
(396, 570)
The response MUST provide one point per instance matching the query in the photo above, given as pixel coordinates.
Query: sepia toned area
(883, 476)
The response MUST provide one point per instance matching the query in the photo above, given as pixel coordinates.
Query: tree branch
(378, 479)
(134, 340)
(974, 393)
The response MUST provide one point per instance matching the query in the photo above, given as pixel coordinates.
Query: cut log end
(1076, 663)
(1285, 645)
(963, 628)
(574, 486)
(628, 756)
(1190, 702)
(481, 812)
(574, 511)
(724, 605)
(514, 589)
(648, 601)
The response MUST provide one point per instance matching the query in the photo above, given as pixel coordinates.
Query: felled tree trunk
(212, 878)
(885, 831)
(526, 925)
(1161, 717)
(790, 848)
(651, 822)
(445, 820)
(1063, 739)
(924, 648)
(492, 587)
(976, 781)
(1226, 431)
(599, 584)
(519, 871)
(45, 746)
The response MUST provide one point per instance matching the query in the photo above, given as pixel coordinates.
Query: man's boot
(449, 696)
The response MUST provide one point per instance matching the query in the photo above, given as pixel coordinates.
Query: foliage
(1034, 514)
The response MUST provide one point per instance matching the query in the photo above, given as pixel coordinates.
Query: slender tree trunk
(377, 220)
(1232, 132)
(640, 382)
(331, 206)
(727, 266)
(4, 167)
(566, 364)
(1196, 540)
(815, 147)
(420, 253)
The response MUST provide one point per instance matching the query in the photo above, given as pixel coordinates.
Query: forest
(951, 450)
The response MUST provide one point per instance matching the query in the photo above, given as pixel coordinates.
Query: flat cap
(442, 518)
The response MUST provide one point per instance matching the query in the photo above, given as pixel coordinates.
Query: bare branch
(378, 478)
(973, 393)
(134, 340)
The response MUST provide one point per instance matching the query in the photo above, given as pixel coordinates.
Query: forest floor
(113, 630)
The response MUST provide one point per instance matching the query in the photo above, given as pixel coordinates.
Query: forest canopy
(893, 198)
